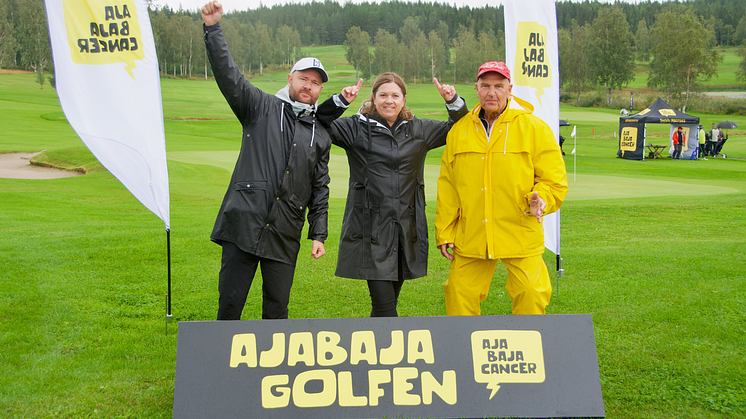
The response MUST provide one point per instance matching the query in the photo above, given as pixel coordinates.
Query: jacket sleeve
(329, 110)
(319, 207)
(436, 132)
(341, 130)
(550, 176)
(448, 204)
(243, 97)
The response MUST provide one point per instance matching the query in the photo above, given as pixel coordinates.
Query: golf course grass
(653, 249)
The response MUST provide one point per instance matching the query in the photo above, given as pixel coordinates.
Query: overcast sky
(232, 5)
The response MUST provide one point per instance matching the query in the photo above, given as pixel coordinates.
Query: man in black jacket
(281, 174)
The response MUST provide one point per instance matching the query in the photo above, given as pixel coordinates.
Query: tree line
(598, 42)
(675, 42)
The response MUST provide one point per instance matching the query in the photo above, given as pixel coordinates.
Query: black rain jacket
(384, 219)
(281, 171)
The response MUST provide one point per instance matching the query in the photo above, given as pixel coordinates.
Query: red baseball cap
(496, 67)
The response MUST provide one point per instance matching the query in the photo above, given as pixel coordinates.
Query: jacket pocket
(250, 185)
(298, 207)
(250, 198)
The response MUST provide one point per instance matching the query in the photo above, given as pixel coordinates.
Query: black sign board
(409, 367)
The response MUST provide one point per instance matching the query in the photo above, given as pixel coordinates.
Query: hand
(446, 91)
(537, 206)
(212, 12)
(350, 92)
(444, 250)
(318, 249)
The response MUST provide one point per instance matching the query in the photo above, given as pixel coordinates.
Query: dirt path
(18, 166)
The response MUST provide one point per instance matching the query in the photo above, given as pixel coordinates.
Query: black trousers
(676, 151)
(237, 272)
(384, 295)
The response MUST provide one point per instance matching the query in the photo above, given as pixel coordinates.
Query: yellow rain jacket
(484, 186)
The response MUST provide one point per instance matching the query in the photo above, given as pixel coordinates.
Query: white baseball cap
(308, 63)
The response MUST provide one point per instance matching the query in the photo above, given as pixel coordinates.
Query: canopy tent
(632, 130)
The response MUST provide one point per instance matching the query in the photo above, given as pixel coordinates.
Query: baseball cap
(496, 67)
(308, 63)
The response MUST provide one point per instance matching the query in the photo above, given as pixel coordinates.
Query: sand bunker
(18, 166)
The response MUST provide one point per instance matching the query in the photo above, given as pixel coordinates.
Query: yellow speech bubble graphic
(532, 66)
(104, 32)
(507, 356)
(667, 112)
(628, 139)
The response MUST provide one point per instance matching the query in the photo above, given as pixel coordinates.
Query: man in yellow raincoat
(502, 171)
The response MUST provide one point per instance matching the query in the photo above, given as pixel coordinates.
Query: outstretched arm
(436, 131)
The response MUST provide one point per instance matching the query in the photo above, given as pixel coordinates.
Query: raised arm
(436, 131)
(337, 104)
(242, 96)
(343, 130)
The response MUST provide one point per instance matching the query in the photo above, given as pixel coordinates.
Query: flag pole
(560, 269)
(168, 251)
(574, 155)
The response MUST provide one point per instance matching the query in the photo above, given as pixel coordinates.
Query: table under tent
(632, 132)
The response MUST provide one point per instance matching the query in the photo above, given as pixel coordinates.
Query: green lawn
(653, 250)
(725, 79)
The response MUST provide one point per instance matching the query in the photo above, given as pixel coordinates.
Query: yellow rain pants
(469, 282)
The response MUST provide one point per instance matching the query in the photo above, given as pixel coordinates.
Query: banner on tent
(628, 139)
(107, 80)
(532, 54)
(473, 366)
(631, 140)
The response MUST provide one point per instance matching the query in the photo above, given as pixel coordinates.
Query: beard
(295, 95)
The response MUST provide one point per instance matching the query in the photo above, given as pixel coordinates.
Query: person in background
(722, 138)
(678, 139)
(384, 237)
(702, 136)
(501, 172)
(714, 135)
(280, 176)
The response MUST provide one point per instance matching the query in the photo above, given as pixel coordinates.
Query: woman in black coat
(384, 236)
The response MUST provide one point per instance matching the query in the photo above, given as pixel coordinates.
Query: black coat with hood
(384, 220)
(281, 171)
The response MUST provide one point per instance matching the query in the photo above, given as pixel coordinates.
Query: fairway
(653, 250)
(586, 186)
